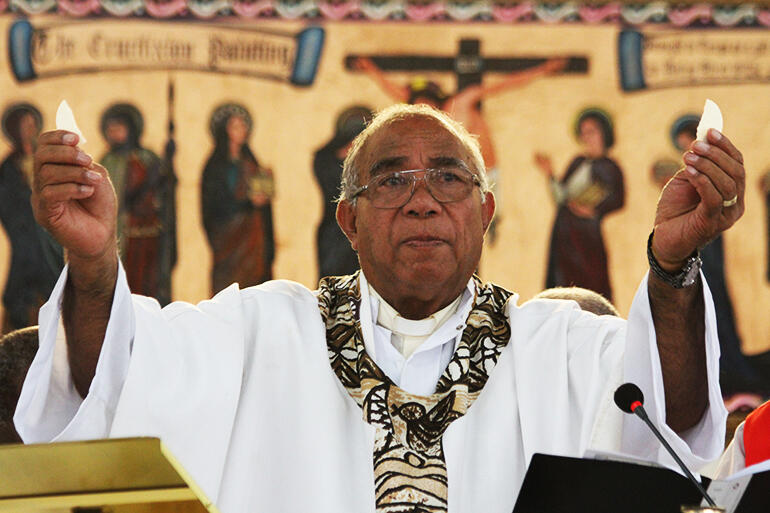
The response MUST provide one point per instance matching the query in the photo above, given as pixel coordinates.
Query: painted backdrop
(644, 80)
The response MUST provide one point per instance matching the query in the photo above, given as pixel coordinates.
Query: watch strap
(687, 277)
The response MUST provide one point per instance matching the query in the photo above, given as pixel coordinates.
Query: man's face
(425, 251)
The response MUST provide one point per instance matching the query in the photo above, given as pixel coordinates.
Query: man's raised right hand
(73, 198)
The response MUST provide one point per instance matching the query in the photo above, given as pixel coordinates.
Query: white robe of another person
(241, 390)
(734, 458)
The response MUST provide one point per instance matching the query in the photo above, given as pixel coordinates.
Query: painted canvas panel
(296, 81)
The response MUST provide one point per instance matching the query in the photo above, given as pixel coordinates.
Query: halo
(13, 109)
(680, 124)
(224, 112)
(117, 110)
(352, 121)
(608, 130)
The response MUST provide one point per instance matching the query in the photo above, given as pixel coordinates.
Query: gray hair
(588, 300)
(351, 171)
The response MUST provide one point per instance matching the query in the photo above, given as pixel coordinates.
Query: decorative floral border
(497, 11)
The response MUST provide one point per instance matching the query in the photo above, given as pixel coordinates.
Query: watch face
(691, 271)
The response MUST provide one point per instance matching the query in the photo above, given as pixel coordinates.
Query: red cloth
(756, 435)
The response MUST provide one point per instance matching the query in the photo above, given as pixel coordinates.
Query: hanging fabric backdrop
(222, 123)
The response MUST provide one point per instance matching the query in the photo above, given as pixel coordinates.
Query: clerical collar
(389, 318)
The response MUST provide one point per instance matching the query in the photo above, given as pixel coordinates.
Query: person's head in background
(588, 300)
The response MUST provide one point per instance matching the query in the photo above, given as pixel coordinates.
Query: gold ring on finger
(729, 203)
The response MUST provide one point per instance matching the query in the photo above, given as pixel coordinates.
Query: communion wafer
(711, 118)
(65, 120)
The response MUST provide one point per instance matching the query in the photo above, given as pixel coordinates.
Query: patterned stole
(410, 472)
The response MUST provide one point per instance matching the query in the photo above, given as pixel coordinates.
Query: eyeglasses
(395, 189)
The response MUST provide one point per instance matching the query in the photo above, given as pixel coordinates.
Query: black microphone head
(626, 395)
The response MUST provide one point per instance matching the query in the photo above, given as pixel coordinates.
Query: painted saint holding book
(236, 201)
(591, 188)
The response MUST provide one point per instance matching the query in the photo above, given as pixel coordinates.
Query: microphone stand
(639, 411)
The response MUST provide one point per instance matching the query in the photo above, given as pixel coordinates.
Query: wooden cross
(468, 65)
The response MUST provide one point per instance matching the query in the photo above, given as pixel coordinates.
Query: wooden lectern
(137, 475)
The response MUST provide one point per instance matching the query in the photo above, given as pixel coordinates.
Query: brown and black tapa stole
(410, 472)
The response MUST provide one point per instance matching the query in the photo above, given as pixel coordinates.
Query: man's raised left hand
(701, 201)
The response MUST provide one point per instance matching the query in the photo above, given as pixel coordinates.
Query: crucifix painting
(464, 104)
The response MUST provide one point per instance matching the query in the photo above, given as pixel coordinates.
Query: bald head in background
(588, 300)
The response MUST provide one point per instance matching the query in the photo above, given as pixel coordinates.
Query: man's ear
(487, 209)
(346, 218)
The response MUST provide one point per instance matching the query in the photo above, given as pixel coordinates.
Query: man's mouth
(423, 241)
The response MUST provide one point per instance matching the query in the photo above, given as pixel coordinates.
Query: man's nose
(421, 203)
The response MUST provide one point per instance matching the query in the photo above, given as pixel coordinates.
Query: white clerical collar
(389, 318)
(406, 344)
(370, 312)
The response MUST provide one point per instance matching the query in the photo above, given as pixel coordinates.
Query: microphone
(629, 398)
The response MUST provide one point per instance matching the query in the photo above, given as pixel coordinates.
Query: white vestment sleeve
(50, 408)
(702, 443)
(172, 373)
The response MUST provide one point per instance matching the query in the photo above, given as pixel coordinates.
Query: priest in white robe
(411, 386)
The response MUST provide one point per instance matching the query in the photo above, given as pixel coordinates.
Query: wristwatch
(687, 277)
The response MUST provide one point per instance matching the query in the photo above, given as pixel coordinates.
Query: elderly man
(411, 386)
